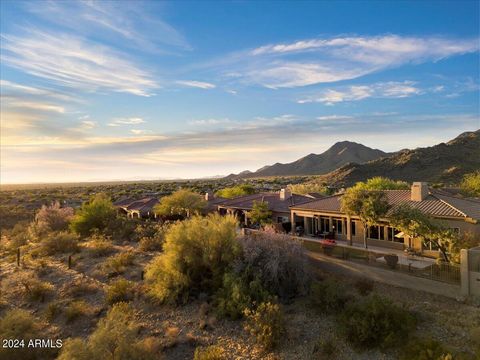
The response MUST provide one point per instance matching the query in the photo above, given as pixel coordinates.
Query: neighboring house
(213, 202)
(278, 203)
(142, 208)
(325, 216)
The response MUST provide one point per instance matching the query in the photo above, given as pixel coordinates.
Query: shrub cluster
(328, 296)
(119, 290)
(117, 264)
(266, 324)
(99, 245)
(20, 324)
(114, 338)
(425, 349)
(376, 322)
(59, 242)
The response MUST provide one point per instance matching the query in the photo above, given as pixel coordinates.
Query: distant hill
(338, 155)
(445, 162)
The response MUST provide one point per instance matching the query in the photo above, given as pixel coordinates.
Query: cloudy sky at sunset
(147, 90)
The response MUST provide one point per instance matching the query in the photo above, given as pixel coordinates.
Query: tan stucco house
(325, 216)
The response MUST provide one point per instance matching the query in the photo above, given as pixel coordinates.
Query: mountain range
(348, 162)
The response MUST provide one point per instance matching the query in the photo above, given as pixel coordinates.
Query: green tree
(382, 183)
(94, 215)
(369, 206)
(236, 191)
(182, 202)
(260, 213)
(415, 223)
(309, 187)
(196, 255)
(471, 184)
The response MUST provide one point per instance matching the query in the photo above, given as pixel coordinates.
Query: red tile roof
(275, 203)
(434, 204)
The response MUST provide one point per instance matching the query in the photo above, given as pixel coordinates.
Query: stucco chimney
(208, 196)
(419, 191)
(285, 194)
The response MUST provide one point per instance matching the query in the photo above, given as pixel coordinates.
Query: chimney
(419, 191)
(285, 194)
(208, 196)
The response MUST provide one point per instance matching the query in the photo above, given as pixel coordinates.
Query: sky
(130, 90)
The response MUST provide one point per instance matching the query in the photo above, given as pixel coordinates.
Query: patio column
(330, 224)
(292, 221)
(246, 218)
(349, 230)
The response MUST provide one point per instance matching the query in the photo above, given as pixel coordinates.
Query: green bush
(328, 296)
(424, 349)
(119, 290)
(266, 324)
(76, 309)
(211, 352)
(20, 324)
(151, 243)
(197, 253)
(94, 216)
(114, 338)
(99, 245)
(33, 288)
(117, 264)
(59, 242)
(52, 310)
(376, 322)
(239, 292)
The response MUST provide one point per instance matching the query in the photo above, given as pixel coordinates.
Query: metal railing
(443, 272)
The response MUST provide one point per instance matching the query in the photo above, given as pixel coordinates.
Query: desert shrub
(120, 228)
(94, 216)
(20, 324)
(114, 338)
(325, 348)
(278, 261)
(52, 310)
(182, 202)
(151, 243)
(76, 309)
(197, 253)
(16, 237)
(119, 290)
(424, 349)
(376, 322)
(364, 286)
(475, 336)
(81, 287)
(53, 218)
(328, 296)
(211, 352)
(34, 289)
(59, 242)
(99, 245)
(266, 324)
(239, 292)
(117, 264)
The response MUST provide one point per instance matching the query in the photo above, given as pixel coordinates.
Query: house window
(338, 223)
(456, 230)
(430, 245)
(353, 228)
(373, 232)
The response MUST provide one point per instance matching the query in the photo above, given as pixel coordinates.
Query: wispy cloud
(74, 62)
(131, 21)
(196, 84)
(126, 121)
(359, 92)
(325, 60)
(140, 131)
